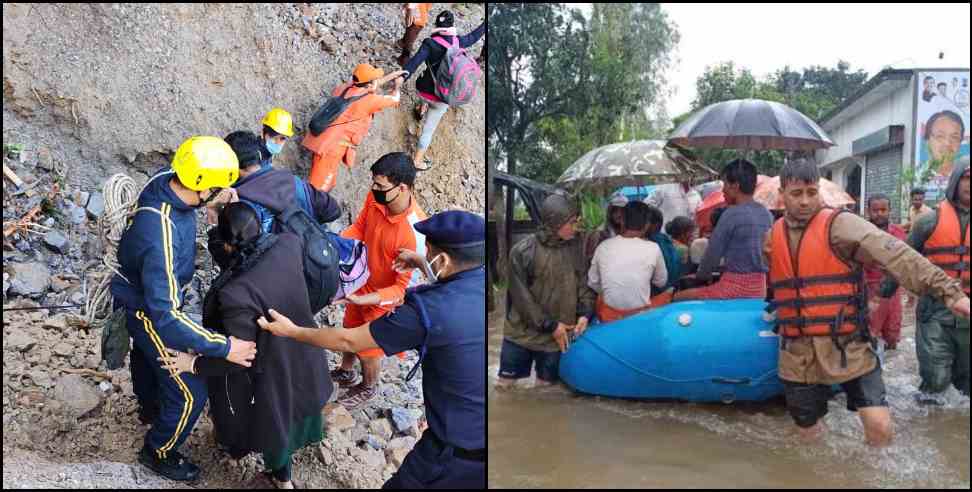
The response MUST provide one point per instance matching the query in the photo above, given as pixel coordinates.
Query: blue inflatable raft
(698, 351)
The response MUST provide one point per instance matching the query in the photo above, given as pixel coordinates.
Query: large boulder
(402, 419)
(77, 395)
(96, 205)
(381, 428)
(57, 241)
(19, 341)
(338, 418)
(29, 279)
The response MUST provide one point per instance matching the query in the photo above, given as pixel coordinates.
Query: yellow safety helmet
(202, 163)
(280, 121)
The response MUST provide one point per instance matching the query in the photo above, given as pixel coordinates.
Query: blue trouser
(428, 467)
(144, 382)
(180, 399)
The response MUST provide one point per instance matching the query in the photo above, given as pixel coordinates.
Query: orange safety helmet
(364, 73)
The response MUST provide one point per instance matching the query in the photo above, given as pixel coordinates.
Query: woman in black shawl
(273, 407)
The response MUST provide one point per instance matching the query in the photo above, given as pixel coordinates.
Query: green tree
(616, 61)
(628, 54)
(817, 90)
(533, 72)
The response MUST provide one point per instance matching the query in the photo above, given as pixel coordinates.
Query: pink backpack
(458, 74)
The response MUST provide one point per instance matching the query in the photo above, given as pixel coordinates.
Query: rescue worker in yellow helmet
(278, 126)
(157, 256)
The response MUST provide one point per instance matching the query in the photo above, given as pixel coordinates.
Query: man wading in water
(943, 338)
(816, 256)
(549, 296)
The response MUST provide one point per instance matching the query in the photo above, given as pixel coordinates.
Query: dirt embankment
(94, 89)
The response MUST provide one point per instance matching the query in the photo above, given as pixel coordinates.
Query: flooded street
(552, 438)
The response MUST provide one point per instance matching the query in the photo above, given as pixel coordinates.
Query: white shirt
(674, 201)
(623, 270)
(697, 250)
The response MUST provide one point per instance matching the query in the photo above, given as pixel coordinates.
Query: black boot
(147, 414)
(174, 466)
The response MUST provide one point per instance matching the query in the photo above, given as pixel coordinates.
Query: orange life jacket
(948, 246)
(818, 294)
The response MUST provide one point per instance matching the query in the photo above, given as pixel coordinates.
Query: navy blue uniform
(157, 255)
(451, 453)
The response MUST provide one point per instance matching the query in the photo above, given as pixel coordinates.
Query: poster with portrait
(941, 128)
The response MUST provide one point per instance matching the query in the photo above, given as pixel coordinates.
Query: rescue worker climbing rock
(338, 143)
(816, 256)
(445, 321)
(942, 338)
(157, 256)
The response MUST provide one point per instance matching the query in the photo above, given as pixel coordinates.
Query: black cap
(444, 19)
(453, 229)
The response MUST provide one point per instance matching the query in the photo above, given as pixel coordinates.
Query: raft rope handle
(755, 381)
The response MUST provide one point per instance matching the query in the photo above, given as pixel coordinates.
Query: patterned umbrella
(752, 124)
(639, 163)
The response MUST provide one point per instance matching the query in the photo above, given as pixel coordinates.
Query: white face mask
(434, 277)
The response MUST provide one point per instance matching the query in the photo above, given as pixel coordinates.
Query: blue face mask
(274, 147)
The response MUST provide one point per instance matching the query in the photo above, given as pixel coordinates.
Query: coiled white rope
(120, 199)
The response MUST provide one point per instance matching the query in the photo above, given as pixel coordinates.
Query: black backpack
(320, 256)
(331, 109)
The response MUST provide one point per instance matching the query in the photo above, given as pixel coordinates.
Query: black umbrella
(752, 124)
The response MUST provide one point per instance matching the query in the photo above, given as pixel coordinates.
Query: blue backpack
(333, 266)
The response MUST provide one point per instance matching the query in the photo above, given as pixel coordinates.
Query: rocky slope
(91, 90)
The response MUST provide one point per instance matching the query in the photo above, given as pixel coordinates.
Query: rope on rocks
(120, 200)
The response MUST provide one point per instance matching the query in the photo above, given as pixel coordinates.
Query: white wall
(896, 109)
(840, 175)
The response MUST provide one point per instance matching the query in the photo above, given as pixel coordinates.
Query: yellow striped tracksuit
(157, 256)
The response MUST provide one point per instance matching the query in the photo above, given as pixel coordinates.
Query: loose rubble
(68, 421)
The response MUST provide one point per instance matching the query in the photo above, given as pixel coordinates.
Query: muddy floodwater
(553, 438)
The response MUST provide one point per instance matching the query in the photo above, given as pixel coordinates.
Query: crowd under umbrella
(637, 163)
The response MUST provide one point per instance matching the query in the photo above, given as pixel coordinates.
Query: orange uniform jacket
(350, 128)
(384, 235)
(420, 16)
